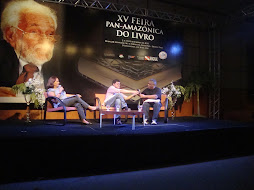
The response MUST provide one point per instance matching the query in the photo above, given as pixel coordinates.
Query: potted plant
(173, 92)
(197, 81)
(32, 92)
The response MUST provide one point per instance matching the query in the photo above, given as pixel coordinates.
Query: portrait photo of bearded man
(28, 41)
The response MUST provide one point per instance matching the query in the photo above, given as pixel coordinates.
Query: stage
(53, 128)
(38, 151)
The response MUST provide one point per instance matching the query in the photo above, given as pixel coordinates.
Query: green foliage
(22, 88)
(190, 89)
(197, 81)
(19, 88)
(173, 92)
(180, 89)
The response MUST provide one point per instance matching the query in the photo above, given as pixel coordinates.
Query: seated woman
(55, 89)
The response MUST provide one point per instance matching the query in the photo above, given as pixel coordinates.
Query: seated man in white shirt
(116, 97)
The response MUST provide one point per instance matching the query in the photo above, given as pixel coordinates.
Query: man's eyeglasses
(36, 35)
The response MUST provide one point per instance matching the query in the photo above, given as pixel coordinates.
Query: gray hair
(154, 81)
(14, 9)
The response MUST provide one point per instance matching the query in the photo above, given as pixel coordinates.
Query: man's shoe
(118, 121)
(146, 122)
(154, 122)
(125, 108)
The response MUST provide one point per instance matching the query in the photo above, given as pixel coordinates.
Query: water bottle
(140, 108)
(117, 107)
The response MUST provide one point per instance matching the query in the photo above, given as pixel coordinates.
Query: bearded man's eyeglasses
(35, 35)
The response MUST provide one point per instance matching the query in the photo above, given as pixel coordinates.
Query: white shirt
(111, 91)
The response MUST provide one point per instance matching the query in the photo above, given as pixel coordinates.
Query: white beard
(31, 55)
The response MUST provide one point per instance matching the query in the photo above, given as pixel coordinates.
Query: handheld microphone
(59, 86)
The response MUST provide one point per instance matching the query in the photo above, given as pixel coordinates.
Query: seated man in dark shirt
(152, 98)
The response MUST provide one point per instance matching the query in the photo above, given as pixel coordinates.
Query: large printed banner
(88, 48)
(138, 38)
(127, 35)
(133, 49)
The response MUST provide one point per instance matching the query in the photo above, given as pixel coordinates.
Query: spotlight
(176, 49)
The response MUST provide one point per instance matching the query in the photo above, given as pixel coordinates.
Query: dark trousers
(156, 109)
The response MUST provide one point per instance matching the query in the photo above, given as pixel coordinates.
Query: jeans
(115, 100)
(78, 103)
(156, 109)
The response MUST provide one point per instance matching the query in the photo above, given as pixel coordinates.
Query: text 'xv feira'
(134, 27)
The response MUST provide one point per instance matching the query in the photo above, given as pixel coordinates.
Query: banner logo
(121, 56)
(163, 55)
(150, 58)
(131, 56)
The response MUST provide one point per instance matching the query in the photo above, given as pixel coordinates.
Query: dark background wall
(237, 61)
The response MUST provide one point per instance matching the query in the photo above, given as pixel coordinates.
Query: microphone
(59, 86)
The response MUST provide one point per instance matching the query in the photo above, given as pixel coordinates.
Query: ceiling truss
(102, 5)
(248, 11)
(208, 21)
(241, 15)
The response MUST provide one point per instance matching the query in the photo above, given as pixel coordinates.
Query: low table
(133, 113)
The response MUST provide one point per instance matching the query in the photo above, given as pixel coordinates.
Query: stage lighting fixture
(176, 49)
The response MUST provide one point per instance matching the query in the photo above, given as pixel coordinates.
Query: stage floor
(37, 128)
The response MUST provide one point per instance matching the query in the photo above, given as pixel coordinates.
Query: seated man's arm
(131, 96)
(154, 96)
(128, 91)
